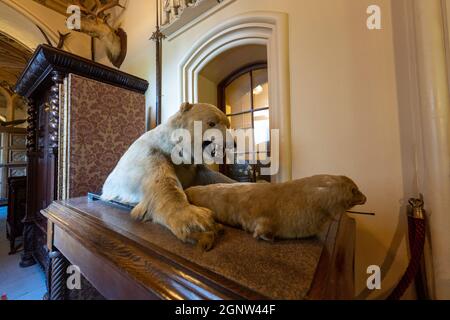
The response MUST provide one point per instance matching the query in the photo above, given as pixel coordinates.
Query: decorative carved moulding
(31, 128)
(177, 14)
(57, 78)
(46, 60)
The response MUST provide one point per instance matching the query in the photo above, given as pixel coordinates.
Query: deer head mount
(94, 22)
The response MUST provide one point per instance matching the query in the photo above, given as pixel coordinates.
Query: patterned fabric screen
(99, 123)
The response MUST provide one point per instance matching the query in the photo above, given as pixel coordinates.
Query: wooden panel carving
(17, 156)
(18, 140)
(12, 156)
(57, 78)
(31, 128)
(17, 172)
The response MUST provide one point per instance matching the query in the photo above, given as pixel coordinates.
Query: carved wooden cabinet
(82, 116)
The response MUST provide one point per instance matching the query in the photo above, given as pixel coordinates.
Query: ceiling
(57, 5)
(61, 5)
(13, 58)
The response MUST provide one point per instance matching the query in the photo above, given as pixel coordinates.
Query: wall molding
(261, 28)
(172, 34)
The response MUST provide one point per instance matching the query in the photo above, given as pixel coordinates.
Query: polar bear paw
(195, 225)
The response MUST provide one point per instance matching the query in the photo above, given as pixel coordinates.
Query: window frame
(222, 100)
(233, 76)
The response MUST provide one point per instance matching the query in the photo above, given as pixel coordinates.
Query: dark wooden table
(125, 259)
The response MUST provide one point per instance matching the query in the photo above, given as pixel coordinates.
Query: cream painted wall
(17, 18)
(208, 92)
(138, 21)
(344, 105)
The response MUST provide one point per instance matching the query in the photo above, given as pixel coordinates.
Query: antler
(84, 9)
(95, 24)
(99, 8)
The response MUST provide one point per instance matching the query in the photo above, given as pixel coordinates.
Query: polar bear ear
(186, 106)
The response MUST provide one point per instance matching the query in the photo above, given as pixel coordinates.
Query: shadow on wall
(392, 252)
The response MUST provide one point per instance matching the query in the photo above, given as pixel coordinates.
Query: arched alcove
(213, 73)
(252, 29)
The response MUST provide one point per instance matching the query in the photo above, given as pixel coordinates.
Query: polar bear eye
(211, 124)
(355, 191)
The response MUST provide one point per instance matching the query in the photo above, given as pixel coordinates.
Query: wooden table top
(238, 267)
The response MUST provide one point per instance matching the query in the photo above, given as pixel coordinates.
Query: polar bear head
(208, 114)
(205, 123)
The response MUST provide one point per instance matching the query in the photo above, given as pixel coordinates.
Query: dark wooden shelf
(125, 259)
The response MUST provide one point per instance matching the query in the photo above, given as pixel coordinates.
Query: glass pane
(262, 129)
(254, 156)
(259, 176)
(237, 95)
(260, 89)
(242, 121)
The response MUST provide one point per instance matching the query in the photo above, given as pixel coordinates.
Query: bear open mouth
(212, 149)
(205, 144)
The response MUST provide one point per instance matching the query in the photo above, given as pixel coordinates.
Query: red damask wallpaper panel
(102, 122)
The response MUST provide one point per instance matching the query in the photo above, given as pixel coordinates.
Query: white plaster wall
(208, 92)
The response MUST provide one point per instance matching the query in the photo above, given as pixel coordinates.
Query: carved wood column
(56, 269)
(57, 276)
(31, 128)
(57, 78)
(27, 258)
(55, 100)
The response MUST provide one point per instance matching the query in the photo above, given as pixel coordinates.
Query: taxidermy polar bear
(147, 177)
(294, 209)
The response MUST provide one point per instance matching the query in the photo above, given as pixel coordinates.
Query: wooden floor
(18, 283)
